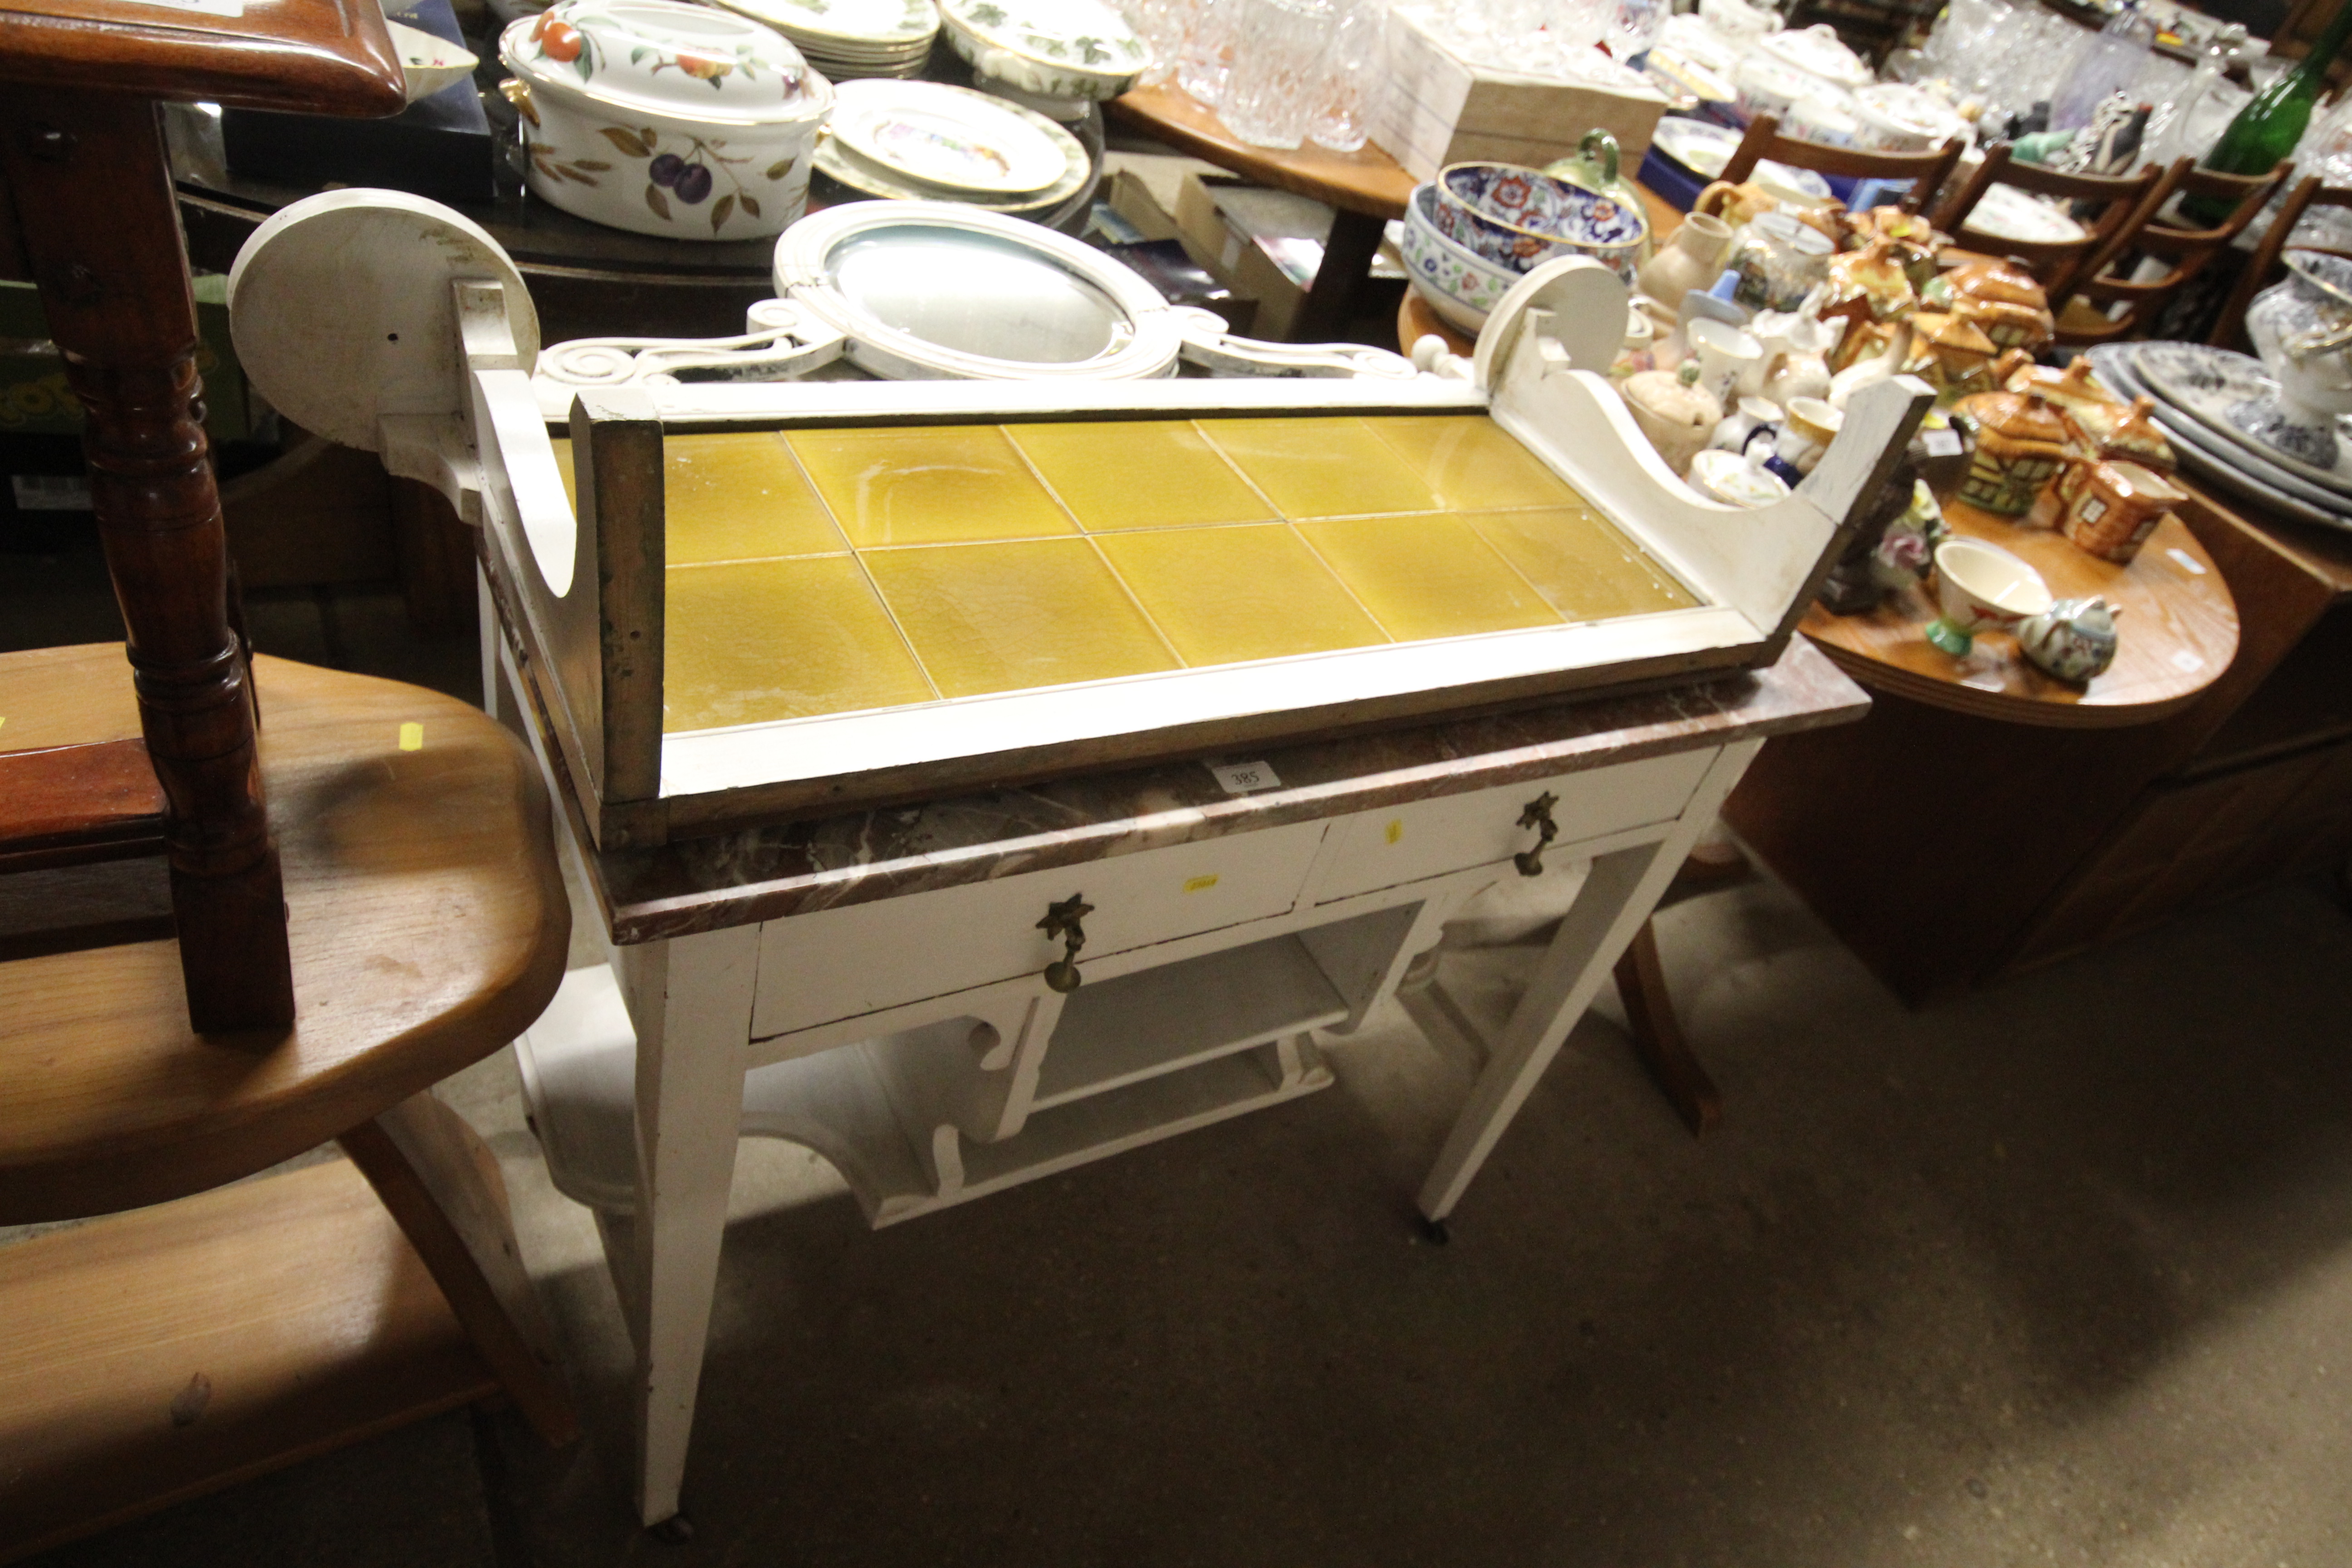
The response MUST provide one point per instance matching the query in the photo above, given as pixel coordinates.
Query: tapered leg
(441, 1183)
(1617, 898)
(99, 228)
(1658, 1034)
(690, 1001)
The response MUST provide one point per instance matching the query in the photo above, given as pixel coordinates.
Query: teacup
(1725, 354)
(1981, 587)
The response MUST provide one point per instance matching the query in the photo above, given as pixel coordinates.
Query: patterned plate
(937, 136)
(2222, 463)
(867, 22)
(2207, 383)
(847, 167)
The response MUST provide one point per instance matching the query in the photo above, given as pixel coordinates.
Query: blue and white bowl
(1460, 285)
(1519, 219)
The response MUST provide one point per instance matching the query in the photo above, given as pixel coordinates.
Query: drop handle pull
(1536, 816)
(1062, 921)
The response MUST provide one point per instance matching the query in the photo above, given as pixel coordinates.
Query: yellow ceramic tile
(1327, 467)
(1119, 474)
(1226, 595)
(751, 641)
(1427, 576)
(1002, 618)
(739, 497)
(731, 498)
(930, 484)
(1582, 566)
(1472, 463)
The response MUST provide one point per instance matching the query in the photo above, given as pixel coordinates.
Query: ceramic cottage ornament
(2020, 444)
(2002, 298)
(1951, 354)
(2074, 639)
(2110, 508)
(2100, 430)
(680, 120)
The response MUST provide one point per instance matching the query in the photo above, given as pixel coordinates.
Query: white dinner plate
(934, 134)
(1703, 148)
(2007, 213)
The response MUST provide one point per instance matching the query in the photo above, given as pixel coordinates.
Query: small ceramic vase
(2302, 328)
(2020, 446)
(2074, 639)
(1735, 480)
(2114, 507)
(1780, 261)
(1753, 419)
(1692, 260)
(1673, 411)
(1725, 353)
(1981, 587)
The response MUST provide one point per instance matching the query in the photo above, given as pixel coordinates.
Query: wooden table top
(318, 57)
(1364, 180)
(2179, 627)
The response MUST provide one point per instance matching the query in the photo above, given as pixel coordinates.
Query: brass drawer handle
(1062, 921)
(1538, 815)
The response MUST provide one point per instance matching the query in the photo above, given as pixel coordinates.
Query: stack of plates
(847, 39)
(2193, 388)
(928, 141)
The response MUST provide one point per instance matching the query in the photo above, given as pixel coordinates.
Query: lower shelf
(152, 1356)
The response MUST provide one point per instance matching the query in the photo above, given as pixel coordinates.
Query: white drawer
(1455, 833)
(840, 964)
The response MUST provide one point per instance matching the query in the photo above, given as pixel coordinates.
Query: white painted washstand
(900, 989)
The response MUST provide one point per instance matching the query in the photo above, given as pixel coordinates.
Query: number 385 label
(1241, 778)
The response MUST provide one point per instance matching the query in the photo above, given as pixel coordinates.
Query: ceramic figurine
(1854, 584)
(2302, 328)
(2074, 639)
(1673, 411)
(2002, 298)
(1692, 260)
(2115, 506)
(1911, 241)
(2063, 389)
(1907, 550)
(1950, 354)
(1796, 355)
(2097, 431)
(1981, 587)
(1873, 275)
(2020, 446)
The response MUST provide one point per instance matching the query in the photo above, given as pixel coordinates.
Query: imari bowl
(1519, 219)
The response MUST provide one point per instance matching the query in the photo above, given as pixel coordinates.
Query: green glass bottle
(2267, 128)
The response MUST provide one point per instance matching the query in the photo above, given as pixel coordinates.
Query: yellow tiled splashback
(827, 571)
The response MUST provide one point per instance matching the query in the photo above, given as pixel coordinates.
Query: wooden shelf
(1123, 1031)
(156, 1355)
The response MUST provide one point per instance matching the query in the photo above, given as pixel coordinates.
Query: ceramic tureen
(680, 120)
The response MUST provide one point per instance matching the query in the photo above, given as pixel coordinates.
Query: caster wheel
(1434, 1232)
(676, 1530)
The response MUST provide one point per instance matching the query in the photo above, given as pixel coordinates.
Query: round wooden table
(2178, 623)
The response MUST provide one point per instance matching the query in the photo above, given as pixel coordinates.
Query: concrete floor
(2058, 1273)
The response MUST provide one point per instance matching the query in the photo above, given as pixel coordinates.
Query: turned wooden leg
(100, 232)
(1658, 1036)
(441, 1183)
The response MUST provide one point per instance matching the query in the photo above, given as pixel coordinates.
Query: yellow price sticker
(412, 737)
(1195, 884)
(1396, 830)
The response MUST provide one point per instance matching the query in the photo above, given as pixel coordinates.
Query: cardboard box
(1437, 109)
(1266, 245)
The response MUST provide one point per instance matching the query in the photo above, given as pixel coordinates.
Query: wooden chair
(2103, 282)
(2053, 263)
(358, 910)
(1927, 171)
(2262, 268)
